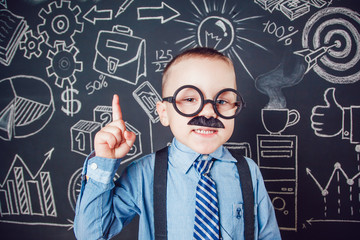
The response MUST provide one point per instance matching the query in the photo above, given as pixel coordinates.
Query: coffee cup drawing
(276, 121)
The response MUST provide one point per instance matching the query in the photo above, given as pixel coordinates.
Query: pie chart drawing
(26, 106)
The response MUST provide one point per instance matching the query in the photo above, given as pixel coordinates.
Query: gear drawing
(31, 45)
(60, 23)
(63, 64)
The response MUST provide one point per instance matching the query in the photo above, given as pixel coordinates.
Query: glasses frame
(241, 104)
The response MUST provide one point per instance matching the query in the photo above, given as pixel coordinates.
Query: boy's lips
(205, 131)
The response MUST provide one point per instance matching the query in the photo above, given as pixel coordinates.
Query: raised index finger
(116, 109)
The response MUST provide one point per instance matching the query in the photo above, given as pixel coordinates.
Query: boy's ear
(162, 111)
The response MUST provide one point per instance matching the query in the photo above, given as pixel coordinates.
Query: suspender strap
(160, 183)
(248, 194)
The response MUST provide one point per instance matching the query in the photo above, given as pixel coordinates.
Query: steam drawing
(288, 73)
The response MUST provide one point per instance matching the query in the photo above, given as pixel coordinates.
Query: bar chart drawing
(23, 192)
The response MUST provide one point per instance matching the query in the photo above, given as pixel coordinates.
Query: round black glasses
(189, 101)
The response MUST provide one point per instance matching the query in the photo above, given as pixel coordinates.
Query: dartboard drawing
(336, 30)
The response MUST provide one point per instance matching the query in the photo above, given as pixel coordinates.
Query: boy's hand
(113, 141)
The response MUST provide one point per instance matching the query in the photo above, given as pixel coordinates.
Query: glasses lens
(229, 103)
(188, 101)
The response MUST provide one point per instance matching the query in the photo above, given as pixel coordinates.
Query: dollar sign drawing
(67, 97)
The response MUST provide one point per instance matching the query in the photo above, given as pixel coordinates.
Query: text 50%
(96, 85)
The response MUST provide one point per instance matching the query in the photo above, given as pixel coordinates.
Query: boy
(200, 127)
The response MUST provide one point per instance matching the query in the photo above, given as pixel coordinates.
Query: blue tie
(206, 207)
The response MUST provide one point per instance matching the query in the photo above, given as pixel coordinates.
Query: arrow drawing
(165, 13)
(93, 15)
(33, 176)
(312, 220)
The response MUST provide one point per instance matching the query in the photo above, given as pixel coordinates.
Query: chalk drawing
(23, 113)
(3, 3)
(276, 121)
(281, 32)
(72, 106)
(278, 161)
(94, 15)
(150, 13)
(213, 25)
(288, 73)
(243, 148)
(118, 53)
(96, 85)
(327, 120)
(345, 189)
(12, 30)
(60, 23)
(83, 133)
(123, 7)
(292, 9)
(31, 45)
(147, 97)
(331, 36)
(162, 58)
(64, 64)
(27, 193)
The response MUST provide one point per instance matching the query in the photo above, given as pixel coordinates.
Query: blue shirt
(104, 207)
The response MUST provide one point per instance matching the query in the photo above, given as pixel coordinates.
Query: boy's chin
(204, 149)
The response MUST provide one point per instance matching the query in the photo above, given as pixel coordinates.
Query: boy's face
(210, 76)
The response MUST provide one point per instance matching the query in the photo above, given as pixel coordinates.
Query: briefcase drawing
(120, 55)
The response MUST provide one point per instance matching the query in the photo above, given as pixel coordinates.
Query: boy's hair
(202, 52)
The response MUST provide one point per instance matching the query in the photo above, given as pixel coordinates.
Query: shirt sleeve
(268, 228)
(97, 214)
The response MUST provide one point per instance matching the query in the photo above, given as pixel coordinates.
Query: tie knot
(203, 166)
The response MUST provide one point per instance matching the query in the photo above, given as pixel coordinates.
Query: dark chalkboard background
(297, 65)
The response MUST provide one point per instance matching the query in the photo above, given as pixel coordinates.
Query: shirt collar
(182, 157)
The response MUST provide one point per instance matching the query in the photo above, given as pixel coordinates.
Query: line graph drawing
(337, 170)
(339, 188)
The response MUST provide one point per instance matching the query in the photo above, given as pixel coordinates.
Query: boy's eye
(221, 102)
(190, 100)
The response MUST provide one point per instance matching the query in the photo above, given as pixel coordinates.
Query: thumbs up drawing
(327, 120)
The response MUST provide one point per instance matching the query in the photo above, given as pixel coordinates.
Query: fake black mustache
(206, 122)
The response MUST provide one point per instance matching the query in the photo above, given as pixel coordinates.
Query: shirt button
(238, 211)
(93, 166)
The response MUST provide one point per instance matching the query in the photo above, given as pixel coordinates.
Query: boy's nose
(208, 111)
